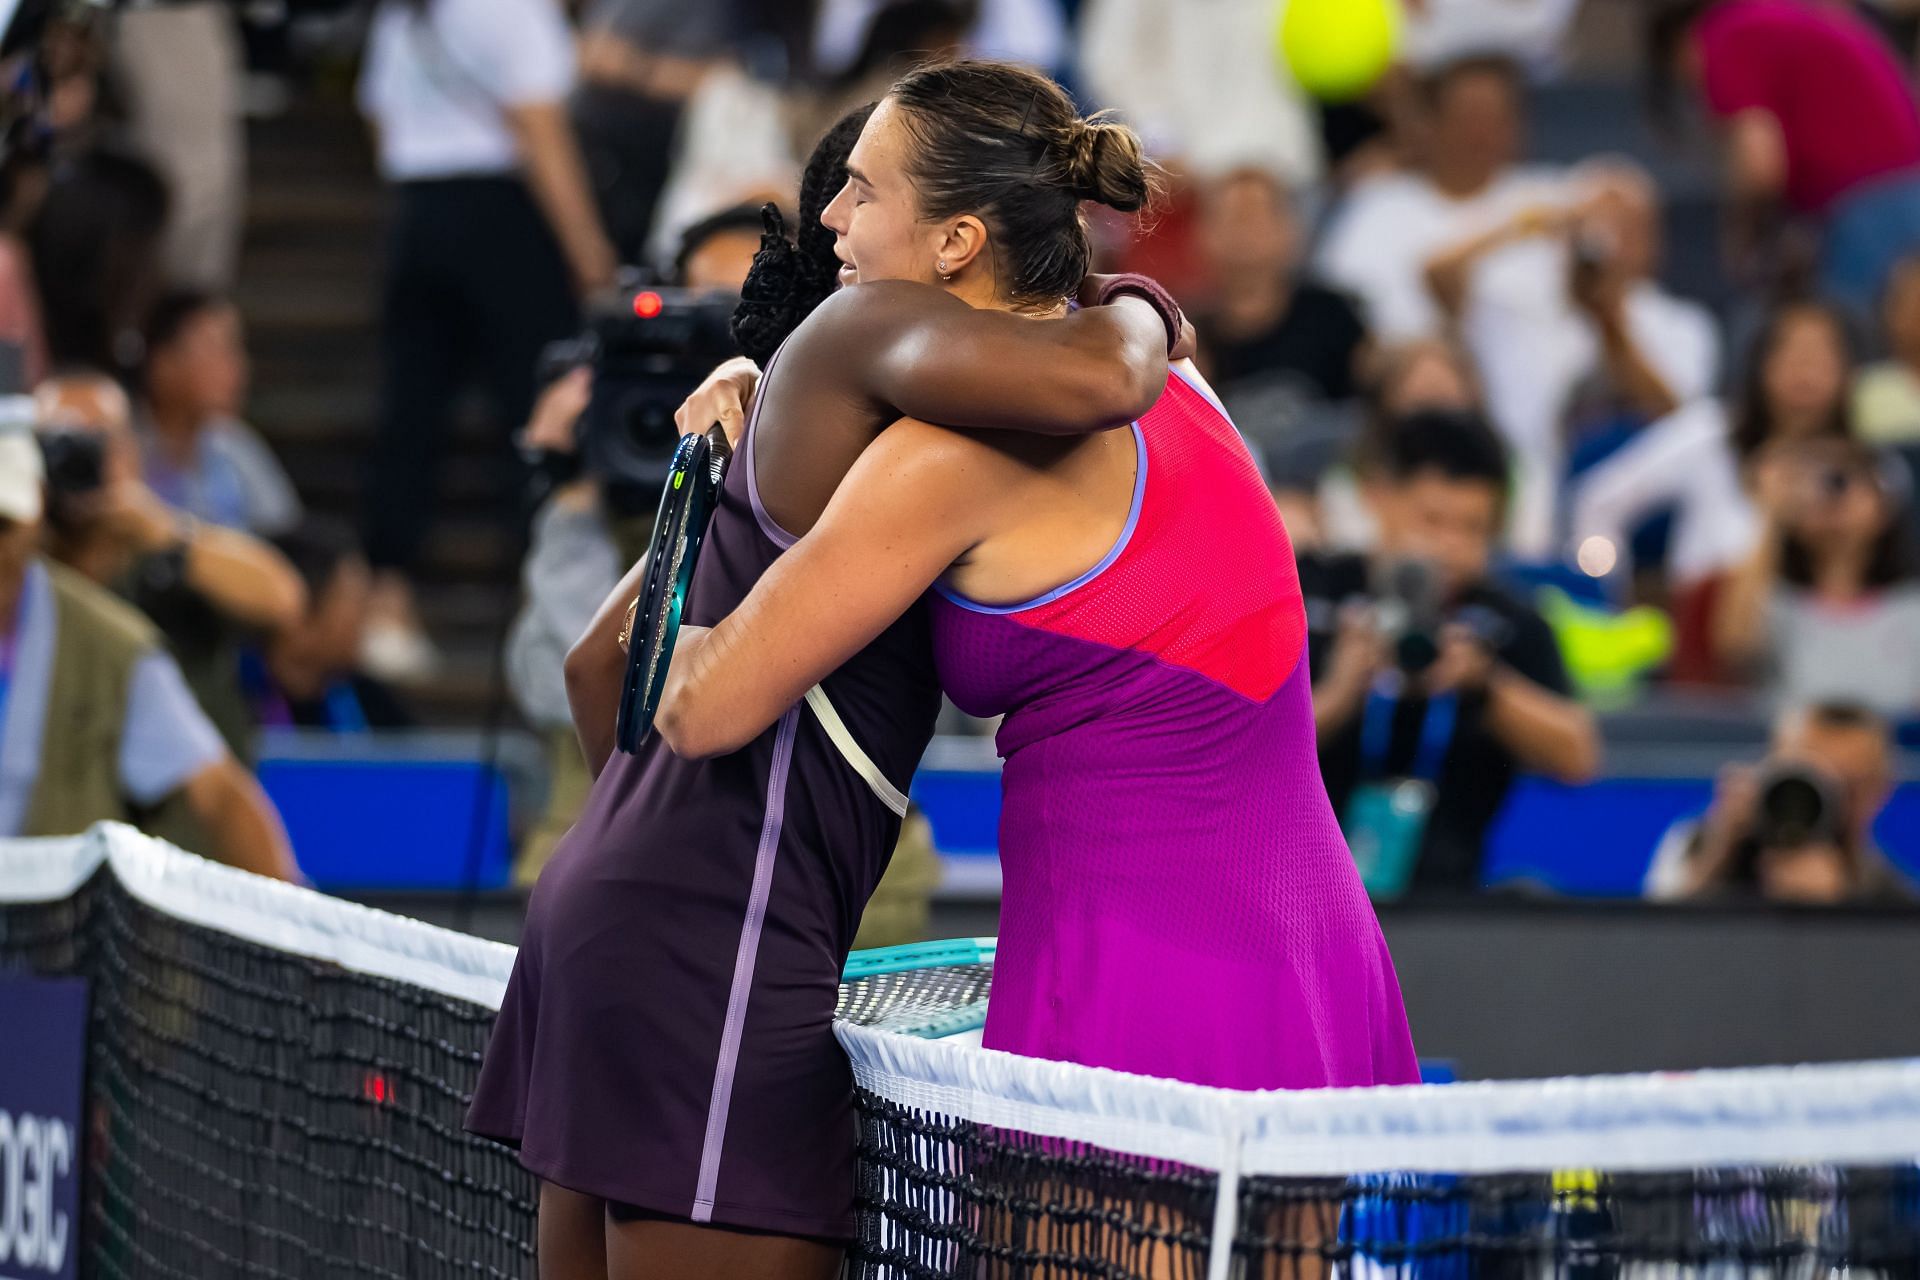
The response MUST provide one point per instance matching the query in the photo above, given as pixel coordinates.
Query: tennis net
(275, 1084)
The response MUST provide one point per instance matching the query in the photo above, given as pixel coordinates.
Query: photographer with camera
(1563, 311)
(1797, 826)
(210, 590)
(96, 722)
(1827, 605)
(1433, 687)
(602, 432)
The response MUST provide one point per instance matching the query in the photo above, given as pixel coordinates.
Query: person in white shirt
(1200, 82)
(1697, 462)
(494, 230)
(1591, 335)
(1379, 242)
(1546, 276)
(1530, 32)
(1886, 395)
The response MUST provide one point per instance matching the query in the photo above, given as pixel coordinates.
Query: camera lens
(1415, 651)
(1797, 807)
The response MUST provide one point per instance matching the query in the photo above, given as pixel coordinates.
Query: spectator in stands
(1886, 395)
(1798, 826)
(1827, 606)
(1698, 463)
(308, 675)
(1471, 245)
(199, 457)
(641, 64)
(1642, 352)
(1424, 671)
(95, 243)
(177, 73)
(96, 722)
(1469, 182)
(1400, 381)
(1205, 92)
(1268, 325)
(211, 590)
(745, 133)
(717, 251)
(1820, 123)
(494, 220)
(1596, 322)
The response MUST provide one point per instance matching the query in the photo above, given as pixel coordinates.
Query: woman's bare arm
(920, 352)
(596, 667)
(914, 503)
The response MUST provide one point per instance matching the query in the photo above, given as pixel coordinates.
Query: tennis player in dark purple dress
(664, 1057)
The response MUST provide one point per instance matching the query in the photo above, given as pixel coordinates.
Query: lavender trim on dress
(729, 1057)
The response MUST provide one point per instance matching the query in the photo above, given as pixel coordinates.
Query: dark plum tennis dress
(666, 1041)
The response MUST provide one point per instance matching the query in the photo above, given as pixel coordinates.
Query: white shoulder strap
(850, 751)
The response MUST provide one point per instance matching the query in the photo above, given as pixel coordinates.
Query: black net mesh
(945, 1197)
(253, 1112)
(257, 1113)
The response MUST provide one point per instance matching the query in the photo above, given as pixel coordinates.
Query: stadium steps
(309, 285)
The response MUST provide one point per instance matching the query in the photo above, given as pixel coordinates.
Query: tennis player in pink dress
(1178, 898)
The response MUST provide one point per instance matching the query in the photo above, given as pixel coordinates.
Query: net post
(1226, 1205)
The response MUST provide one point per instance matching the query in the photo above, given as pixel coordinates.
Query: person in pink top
(1821, 122)
(1179, 901)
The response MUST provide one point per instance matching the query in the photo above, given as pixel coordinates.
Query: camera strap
(1438, 723)
(9, 650)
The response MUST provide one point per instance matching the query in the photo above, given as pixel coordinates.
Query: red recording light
(376, 1089)
(647, 305)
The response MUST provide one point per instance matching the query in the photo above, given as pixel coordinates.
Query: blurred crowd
(1527, 479)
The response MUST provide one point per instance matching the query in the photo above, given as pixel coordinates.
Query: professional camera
(1411, 609)
(76, 461)
(1407, 599)
(1798, 806)
(647, 353)
(75, 464)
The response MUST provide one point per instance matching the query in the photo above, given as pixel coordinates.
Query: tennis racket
(686, 505)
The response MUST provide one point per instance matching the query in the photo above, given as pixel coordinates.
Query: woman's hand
(723, 398)
(1779, 483)
(556, 414)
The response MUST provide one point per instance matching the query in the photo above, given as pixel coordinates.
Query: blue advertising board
(43, 1024)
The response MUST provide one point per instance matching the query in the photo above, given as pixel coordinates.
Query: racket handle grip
(1148, 288)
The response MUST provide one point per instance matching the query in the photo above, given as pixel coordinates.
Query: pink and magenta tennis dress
(1178, 898)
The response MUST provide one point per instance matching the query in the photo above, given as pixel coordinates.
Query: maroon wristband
(1148, 288)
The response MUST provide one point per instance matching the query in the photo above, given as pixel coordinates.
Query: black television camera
(647, 352)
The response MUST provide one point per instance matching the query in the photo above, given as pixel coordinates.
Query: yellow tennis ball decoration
(1338, 49)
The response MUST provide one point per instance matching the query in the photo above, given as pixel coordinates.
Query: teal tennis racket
(686, 506)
